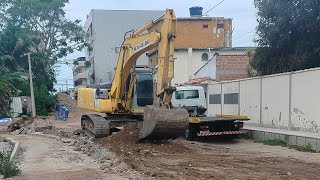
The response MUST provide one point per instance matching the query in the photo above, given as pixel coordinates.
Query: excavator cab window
(144, 89)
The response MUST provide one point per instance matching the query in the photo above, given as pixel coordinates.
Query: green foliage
(38, 27)
(289, 37)
(87, 64)
(76, 63)
(44, 100)
(304, 148)
(275, 142)
(8, 168)
(48, 29)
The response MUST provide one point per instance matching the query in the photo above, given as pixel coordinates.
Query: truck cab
(191, 98)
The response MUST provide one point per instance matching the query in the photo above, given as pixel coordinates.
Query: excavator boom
(160, 119)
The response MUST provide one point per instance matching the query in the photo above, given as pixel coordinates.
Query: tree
(41, 28)
(51, 33)
(289, 36)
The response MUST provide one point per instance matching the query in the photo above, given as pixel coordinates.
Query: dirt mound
(67, 101)
(126, 143)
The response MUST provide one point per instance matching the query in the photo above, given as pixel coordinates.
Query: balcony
(78, 76)
(78, 66)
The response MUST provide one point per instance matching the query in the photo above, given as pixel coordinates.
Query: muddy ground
(212, 159)
(167, 159)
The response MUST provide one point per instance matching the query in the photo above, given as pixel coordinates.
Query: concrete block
(258, 135)
(292, 140)
(318, 146)
(312, 142)
(301, 141)
(275, 136)
(284, 138)
(268, 136)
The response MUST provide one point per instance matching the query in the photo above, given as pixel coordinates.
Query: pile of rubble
(68, 102)
(109, 161)
(27, 125)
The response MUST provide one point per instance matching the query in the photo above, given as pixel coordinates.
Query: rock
(65, 140)
(42, 129)
(78, 132)
(103, 167)
(77, 149)
(18, 131)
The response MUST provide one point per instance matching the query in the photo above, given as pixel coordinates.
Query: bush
(8, 168)
(44, 100)
(275, 142)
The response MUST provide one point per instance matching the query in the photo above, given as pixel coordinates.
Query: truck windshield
(187, 94)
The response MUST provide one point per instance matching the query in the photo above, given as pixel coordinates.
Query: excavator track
(95, 126)
(161, 123)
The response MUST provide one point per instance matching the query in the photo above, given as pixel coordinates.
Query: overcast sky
(242, 12)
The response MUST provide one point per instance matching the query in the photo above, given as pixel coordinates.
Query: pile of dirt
(68, 102)
(126, 144)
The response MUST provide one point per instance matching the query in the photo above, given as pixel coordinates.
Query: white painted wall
(214, 108)
(187, 62)
(284, 101)
(250, 93)
(305, 106)
(109, 27)
(228, 88)
(275, 100)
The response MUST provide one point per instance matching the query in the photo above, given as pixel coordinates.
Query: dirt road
(50, 159)
(46, 158)
(239, 159)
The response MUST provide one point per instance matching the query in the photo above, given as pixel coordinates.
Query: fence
(284, 101)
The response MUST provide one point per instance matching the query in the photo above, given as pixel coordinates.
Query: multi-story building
(105, 30)
(80, 73)
(204, 43)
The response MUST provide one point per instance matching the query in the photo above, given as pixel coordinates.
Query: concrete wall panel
(250, 99)
(230, 89)
(305, 101)
(213, 89)
(275, 100)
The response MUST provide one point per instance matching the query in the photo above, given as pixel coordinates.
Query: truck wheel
(189, 135)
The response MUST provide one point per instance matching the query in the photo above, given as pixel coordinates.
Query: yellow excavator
(142, 97)
(135, 92)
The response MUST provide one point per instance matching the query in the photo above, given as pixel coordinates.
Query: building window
(205, 26)
(220, 25)
(205, 57)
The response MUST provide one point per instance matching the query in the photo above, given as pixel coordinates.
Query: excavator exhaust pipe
(161, 123)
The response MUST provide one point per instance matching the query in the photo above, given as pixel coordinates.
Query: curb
(15, 149)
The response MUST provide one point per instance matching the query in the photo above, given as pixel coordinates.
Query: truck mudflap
(206, 134)
(161, 123)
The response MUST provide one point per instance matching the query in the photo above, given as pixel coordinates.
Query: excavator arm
(133, 47)
(160, 119)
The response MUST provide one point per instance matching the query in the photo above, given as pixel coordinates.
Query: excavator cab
(143, 91)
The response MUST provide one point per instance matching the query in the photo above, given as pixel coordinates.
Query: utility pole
(67, 86)
(33, 105)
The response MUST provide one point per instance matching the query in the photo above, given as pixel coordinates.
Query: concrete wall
(204, 32)
(109, 27)
(287, 101)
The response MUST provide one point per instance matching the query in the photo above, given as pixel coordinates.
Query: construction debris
(68, 102)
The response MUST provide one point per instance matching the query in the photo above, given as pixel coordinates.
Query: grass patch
(304, 148)
(8, 168)
(275, 142)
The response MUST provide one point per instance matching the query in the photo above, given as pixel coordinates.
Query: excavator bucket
(161, 123)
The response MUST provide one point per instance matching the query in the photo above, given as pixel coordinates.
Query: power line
(213, 7)
(203, 14)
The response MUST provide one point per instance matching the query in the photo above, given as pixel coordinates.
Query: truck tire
(189, 135)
